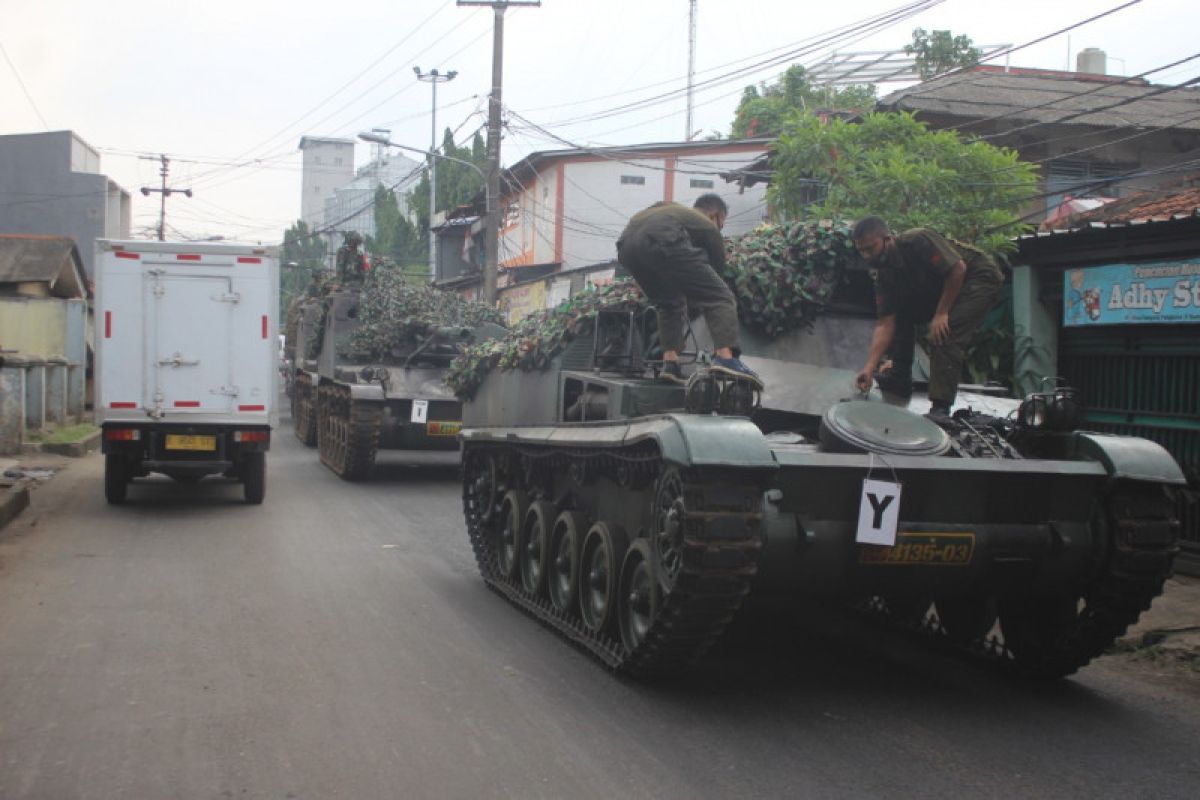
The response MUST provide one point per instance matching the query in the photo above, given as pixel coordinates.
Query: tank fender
(366, 391)
(700, 441)
(1129, 457)
(688, 440)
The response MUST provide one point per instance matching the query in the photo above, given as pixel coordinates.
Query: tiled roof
(1052, 97)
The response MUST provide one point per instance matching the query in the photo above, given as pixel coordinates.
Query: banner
(1132, 294)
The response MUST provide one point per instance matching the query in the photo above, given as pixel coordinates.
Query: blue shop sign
(1132, 294)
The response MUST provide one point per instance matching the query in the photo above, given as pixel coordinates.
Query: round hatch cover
(861, 425)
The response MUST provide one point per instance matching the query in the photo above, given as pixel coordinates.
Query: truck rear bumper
(178, 449)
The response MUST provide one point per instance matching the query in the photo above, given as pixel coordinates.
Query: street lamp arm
(375, 138)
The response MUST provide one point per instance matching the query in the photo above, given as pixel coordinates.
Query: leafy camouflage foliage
(781, 276)
(540, 336)
(396, 314)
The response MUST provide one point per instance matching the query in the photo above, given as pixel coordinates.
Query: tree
(456, 182)
(763, 109)
(894, 166)
(396, 238)
(306, 250)
(940, 52)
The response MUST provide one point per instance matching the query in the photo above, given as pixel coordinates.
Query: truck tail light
(252, 436)
(122, 434)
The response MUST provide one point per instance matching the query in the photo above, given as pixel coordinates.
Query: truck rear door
(189, 356)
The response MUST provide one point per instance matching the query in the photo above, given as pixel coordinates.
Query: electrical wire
(24, 88)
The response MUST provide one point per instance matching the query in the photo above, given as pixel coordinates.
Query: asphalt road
(337, 642)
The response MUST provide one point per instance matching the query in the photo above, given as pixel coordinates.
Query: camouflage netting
(781, 275)
(395, 315)
(540, 336)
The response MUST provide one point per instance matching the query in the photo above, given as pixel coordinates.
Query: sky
(226, 89)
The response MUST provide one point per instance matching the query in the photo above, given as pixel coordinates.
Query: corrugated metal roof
(1066, 98)
(1144, 208)
(53, 260)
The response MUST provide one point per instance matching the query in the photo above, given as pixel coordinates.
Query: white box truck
(186, 370)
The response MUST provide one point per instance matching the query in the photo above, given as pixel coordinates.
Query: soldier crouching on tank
(922, 277)
(671, 251)
(352, 265)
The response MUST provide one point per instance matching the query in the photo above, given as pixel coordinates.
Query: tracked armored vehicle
(350, 404)
(633, 516)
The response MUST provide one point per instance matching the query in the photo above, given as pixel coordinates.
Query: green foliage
(395, 314)
(307, 251)
(939, 51)
(396, 238)
(540, 336)
(894, 166)
(456, 183)
(763, 109)
(782, 275)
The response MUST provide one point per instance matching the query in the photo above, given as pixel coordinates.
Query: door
(190, 360)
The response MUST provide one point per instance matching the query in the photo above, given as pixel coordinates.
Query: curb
(88, 444)
(12, 502)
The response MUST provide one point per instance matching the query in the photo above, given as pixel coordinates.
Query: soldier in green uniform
(921, 277)
(352, 265)
(671, 251)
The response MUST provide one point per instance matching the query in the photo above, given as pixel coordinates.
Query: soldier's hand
(939, 329)
(863, 380)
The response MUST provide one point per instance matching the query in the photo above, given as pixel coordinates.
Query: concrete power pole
(165, 192)
(492, 192)
(434, 79)
(691, 79)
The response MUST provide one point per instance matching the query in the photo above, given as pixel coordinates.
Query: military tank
(356, 391)
(633, 516)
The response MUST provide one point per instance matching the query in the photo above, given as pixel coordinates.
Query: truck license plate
(443, 428)
(924, 549)
(178, 442)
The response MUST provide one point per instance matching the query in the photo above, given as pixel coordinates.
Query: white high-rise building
(328, 166)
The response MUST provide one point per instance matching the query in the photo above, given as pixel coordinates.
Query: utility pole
(434, 79)
(492, 224)
(691, 79)
(165, 192)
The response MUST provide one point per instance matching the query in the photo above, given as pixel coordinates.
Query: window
(337, 162)
(700, 183)
(634, 180)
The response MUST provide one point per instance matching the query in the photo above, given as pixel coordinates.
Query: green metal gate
(1143, 381)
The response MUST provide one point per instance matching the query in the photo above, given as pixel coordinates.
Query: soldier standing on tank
(673, 251)
(352, 265)
(921, 277)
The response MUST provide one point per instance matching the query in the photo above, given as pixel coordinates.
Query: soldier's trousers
(974, 301)
(676, 277)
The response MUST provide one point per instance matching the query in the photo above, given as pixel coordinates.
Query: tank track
(304, 416)
(1052, 639)
(721, 544)
(347, 432)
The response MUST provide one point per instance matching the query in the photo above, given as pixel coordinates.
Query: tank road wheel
(562, 579)
(599, 567)
(639, 594)
(513, 509)
(535, 546)
(347, 432)
(482, 481)
(965, 619)
(304, 418)
(669, 514)
(116, 478)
